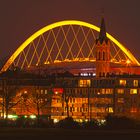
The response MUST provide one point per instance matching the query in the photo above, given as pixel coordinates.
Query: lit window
(109, 91)
(25, 91)
(41, 91)
(110, 109)
(103, 91)
(81, 109)
(120, 100)
(70, 100)
(135, 83)
(106, 91)
(77, 109)
(120, 91)
(123, 82)
(74, 109)
(133, 91)
(100, 110)
(133, 110)
(45, 91)
(84, 83)
(73, 100)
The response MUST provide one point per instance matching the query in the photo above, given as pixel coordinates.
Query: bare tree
(66, 99)
(8, 94)
(36, 101)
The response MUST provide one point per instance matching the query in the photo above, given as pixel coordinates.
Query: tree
(66, 98)
(8, 94)
(36, 101)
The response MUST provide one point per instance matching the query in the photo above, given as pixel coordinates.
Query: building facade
(88, 97)
(82, 97)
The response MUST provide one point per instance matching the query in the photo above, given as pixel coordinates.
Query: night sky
(21, 18)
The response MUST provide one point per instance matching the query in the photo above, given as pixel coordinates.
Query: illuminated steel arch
(33, 42)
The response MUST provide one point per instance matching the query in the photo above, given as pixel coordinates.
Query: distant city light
(25, 91)
(10, 116)
(58, 90)
(87, 74)
(128, 62)
(86, 120)
(55, 120)
(94, 74)
(33, 116)
(101, 122)
(25, 116)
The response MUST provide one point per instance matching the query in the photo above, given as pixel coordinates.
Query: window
(109, 91)
(103, 55)
(70, 109)
(79, 100)
(84, 109)
(41, 91)
(103, 91)
(25, 91)
(133, 91)
(73, 109)
(45, 91)
(133, 110)
(120, 110)
(58, 90)
(120, 91)
(99, 55)
(76, 91)
(106, 91)
(73, 100)
(70, 100)
(120, 100)
(1, 85)
(135, 83)
(123, 82)
(110, 109)
(84, 83)
(77, 109)
(85, 100)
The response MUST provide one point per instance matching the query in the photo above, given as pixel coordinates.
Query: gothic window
(103, 55)
(99, 56)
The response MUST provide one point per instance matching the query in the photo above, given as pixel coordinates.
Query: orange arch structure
(63, 23)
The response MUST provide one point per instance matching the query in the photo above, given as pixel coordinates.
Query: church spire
(102, 34)
(102, 51)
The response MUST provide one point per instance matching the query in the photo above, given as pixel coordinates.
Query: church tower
(102, 50)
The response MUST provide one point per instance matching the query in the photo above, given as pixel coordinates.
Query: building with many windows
(83, 97)
(80, 97)
(96, 97)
